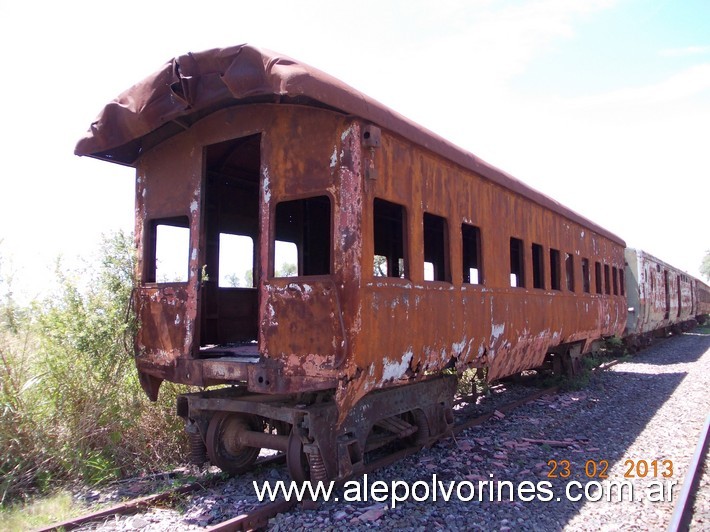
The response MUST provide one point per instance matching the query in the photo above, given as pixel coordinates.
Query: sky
(603, 105)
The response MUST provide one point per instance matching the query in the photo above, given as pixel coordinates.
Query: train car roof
(194, 85)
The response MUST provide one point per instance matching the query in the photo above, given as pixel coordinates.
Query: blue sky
(603, 105)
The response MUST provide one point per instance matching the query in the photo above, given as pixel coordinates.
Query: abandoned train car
(411, 254)
(660, 297)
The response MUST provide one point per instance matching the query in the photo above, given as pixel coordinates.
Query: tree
(705, 266)
(287, 269)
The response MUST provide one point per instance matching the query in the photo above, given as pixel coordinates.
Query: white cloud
(686, 51)
(684, 84)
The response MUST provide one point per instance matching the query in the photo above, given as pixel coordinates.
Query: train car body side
(412, 257)
(660, 297)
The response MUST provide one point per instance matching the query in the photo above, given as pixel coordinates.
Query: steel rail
(127, 507)
(259, 517)
(684, 506)
(142, 503)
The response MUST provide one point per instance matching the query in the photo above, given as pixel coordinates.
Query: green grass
(40, 512)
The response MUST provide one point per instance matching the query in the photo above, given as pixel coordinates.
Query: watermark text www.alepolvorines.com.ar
(399, 491)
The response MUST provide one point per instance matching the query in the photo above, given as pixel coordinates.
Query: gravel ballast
(636, 417)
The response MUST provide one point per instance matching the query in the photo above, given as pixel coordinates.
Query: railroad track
(683, 512)
(259, 516)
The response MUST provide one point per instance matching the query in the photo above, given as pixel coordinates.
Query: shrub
(71, 406)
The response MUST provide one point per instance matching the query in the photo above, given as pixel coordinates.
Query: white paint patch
(346, 133)
(497, 331)
(193, 206)
(334, 157)
(458, 348)
(177, 320)
(444, 356)
(266, 187)
(194, 254)
(396, 370)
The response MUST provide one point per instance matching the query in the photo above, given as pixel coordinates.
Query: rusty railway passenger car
(412, 256)
(661, 298)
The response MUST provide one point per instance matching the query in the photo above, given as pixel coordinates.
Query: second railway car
(412, 256)
(660, 297)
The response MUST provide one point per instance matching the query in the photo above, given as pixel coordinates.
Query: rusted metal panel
(189, 87)
(168, 185)
(343, 328)
(439, 324)
(162, 312)
(303, 321)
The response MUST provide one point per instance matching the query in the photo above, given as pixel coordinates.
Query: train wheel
(296, 459)
(223, 445)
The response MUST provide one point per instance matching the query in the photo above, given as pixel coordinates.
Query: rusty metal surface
(192, 86)
(344, 329)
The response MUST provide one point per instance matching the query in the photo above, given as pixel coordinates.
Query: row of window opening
(302, 247)
(611, 281)
(390, 243)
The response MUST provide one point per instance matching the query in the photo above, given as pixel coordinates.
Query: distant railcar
(411, 256)
(660, 297)
(702, 300)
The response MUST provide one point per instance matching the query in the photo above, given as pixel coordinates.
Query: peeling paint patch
(396, 370)
(497, 331)
(457, 348)
(266, 186)
(346, 133)
(334, 157)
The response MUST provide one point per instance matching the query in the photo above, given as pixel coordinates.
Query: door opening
(229, 303)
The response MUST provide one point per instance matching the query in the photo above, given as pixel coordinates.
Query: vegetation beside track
(71, 408)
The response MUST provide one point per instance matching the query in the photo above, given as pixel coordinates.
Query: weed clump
(71, 406)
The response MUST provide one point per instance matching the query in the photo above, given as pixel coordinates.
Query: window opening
(615, 276)
(236, 261)
(679, 298)
(305, 223)
(538, 264)
(569, 268)
(668, 293)
(622, 285)
(517, 263)
(607, 280)
(436, 245)
(555, 269)
(472, 270)
(598, 276)
(169, 251)
(429, 271)
(389, 239)
(585, 276)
